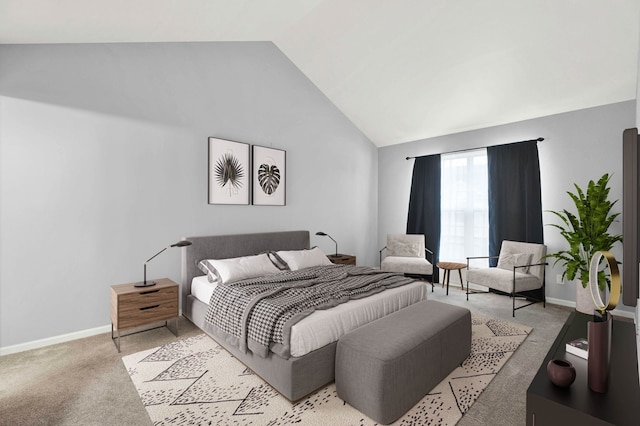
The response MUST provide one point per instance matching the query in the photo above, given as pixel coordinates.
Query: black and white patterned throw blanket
(257, 314)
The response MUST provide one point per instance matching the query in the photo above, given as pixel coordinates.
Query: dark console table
(577, 404)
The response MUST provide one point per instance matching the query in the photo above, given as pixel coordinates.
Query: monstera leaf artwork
(228, 170)
(269, 178)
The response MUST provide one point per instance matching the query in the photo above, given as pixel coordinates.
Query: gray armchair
(521, 268)
(407, 254)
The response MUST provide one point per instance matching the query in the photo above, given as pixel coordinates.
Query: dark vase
(561, 372)
(599, 336)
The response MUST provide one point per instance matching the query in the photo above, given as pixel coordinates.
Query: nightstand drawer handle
(149, 307)
(149, 292)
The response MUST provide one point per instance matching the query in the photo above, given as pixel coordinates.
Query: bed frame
(295, 377)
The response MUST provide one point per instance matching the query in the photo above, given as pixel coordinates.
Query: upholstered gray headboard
(235, 245)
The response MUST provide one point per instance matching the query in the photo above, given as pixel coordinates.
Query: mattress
(327, 325)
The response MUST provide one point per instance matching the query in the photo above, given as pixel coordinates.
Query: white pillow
(300, 259)
(240, 268)
(509, 260)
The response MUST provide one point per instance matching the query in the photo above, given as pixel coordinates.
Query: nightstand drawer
(140, 315)
(146, 297)
(342, 259)
(132, 306)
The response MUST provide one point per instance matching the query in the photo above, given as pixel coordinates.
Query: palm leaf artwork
(228, 170)
(269, 178)
(586, 232)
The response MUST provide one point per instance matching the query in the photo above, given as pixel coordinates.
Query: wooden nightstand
(135, 306)
(342, 259)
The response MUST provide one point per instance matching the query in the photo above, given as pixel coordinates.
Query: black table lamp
(322, 234)
(144, 283)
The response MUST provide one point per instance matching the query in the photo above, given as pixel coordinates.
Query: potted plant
(586, 233)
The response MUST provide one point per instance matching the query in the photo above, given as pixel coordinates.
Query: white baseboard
(570, 304)
(35, 344)
(561, 302)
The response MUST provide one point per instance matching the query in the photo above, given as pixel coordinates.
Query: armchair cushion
(501, 279)
(407, 265)
(537, 251)
(509, 260)
(405, 245)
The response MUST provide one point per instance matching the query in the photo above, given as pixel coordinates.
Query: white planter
(584, 302)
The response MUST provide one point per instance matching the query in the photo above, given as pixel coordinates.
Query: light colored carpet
(195, 381)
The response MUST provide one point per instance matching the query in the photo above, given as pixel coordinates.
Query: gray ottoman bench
(385, 367)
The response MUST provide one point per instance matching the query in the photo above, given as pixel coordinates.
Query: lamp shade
(182, 243)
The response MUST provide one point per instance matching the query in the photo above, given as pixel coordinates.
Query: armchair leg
(513, 295)
(467, 290)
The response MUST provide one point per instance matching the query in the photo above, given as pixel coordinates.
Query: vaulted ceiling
(400, 70)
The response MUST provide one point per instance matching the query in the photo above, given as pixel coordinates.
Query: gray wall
(578, 146)
(103, 152)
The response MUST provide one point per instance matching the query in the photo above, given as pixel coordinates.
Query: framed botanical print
(229, 171)
(269, 176)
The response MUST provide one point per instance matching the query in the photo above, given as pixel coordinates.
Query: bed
(294, 376)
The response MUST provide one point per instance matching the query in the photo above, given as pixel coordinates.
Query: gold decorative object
(614, 289)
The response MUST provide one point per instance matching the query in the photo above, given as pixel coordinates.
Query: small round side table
(448, 267)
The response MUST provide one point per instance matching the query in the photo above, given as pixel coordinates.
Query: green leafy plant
(586, 232)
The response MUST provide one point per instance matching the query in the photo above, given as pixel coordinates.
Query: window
(464, 206)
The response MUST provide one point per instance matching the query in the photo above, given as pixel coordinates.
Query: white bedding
(327, 325)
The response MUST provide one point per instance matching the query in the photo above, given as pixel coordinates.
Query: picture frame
(269, 176)
(229, 172)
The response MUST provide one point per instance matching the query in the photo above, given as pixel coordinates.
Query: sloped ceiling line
(401, 71)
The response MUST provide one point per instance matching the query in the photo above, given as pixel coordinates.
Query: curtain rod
(540, 139)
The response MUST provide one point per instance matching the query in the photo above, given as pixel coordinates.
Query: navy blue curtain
(515, 205)
(424, 204)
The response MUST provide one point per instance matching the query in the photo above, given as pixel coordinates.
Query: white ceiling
(400, 70)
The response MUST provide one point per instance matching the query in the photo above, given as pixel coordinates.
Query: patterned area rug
(196, 382)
